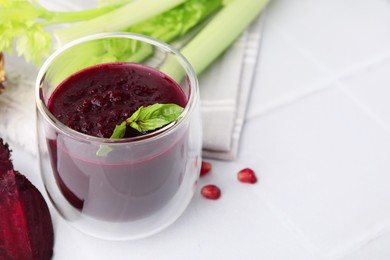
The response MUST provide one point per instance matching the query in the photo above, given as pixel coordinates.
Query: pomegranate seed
(247, 175)
(205, 168)
(211, 192)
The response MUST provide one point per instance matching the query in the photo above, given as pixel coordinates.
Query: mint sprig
(149, 118)
(145, 119)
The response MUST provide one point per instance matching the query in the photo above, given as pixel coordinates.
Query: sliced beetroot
(5, 157)
(25, 221)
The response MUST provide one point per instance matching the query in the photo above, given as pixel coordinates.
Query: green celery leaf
(177, 21)
(18, 22)
(34, 44)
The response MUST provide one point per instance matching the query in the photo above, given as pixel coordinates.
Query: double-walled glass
(144, 183)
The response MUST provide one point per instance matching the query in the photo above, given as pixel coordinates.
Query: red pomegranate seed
(205, 168)
(247, 175)
(211, 192)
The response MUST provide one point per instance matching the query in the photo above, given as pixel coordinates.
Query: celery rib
(74, 16)
(119, 19)
(221, 32)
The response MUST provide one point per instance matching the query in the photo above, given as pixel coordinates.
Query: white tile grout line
(349, 71)
(295, 231)
(335, 78)
(337, 254)
(360, 242)
(363, 107)
(292, 99)
(325, 84)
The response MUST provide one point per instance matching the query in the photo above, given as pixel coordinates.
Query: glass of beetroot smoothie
(125, 188)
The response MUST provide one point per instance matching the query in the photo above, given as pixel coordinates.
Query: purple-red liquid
(95, 100)
(121, 186)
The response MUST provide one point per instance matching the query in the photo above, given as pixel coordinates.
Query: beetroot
(5, 154)
(26, 230)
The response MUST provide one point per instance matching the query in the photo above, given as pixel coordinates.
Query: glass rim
(58, 125)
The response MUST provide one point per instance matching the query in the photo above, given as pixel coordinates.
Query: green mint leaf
(119, 131)
(154, 116)
(148, 118)
(103, 150)
(144, 119)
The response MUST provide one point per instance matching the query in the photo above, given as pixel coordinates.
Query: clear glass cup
(144, 183)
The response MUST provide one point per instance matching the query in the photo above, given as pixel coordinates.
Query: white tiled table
(317, 134)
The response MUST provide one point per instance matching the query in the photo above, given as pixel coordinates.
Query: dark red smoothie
(95, 100)
(122, 186)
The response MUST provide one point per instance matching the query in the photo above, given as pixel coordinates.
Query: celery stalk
(75, 16)
(221, 32)
(177, 21)
(117, 20)
(166, 26)
(215, 37)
